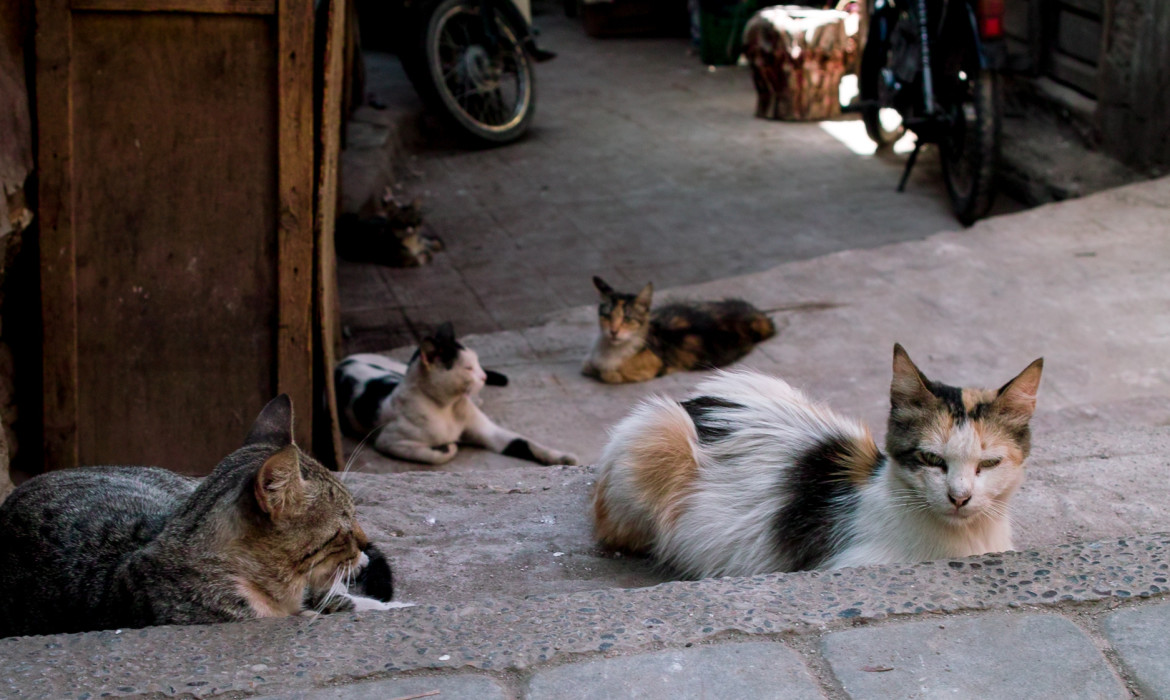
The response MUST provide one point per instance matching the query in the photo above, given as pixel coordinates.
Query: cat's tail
(647, 470)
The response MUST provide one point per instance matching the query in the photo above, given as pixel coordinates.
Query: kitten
(751, 477)
(268, 532)
(387, 233)
(636, 344)
(422, 410)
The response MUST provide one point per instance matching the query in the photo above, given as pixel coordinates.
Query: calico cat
(422, 410)
(750, 477)
(388, 233)
(269, 533)
(636, 344)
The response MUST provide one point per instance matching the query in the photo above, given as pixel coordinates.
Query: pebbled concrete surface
(512, 639)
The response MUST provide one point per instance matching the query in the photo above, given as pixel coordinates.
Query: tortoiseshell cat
(269, 533)
(750, 477)
(636, 344)
(388, 233)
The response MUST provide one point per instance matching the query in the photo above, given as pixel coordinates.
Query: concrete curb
(512, 638)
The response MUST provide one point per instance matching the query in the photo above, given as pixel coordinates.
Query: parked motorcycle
(473, 62)
(932, 66)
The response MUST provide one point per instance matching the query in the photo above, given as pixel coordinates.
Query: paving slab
(1029, 657)
(763, 670)
(454, 687)
(1141, 637)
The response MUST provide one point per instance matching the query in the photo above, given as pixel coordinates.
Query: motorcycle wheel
(882, 124)
(970, 150)
(487, 92)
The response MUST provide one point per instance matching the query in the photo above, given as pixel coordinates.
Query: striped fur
(750, 477)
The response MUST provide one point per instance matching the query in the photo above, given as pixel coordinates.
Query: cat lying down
(423, 410)
(635, 343)
(269, 533)
(750, 477)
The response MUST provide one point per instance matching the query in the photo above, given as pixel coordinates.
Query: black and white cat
(423, 410)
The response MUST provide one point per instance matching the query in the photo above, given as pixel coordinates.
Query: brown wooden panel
(260, 7)
(294, 347)
(328, 446)
(58, 281)
(1079, 37)
(176, 189)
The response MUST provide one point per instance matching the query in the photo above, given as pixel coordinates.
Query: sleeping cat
(388, 233)
(269, 533)
(636, 344)
(750, 477)
(422, 410)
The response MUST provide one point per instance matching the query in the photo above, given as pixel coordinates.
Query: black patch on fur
(704, 335)
(817, 490)
(952, 398)
(495, 378)
(367, 404)
(700, 409)
(520, 449)
(376, 580)
(441, 346)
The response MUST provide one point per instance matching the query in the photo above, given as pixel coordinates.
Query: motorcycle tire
(882, 124)
(487, 93)
(970, 153)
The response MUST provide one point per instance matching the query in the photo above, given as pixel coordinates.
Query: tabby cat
(269, 533)
(423, 410)
(750, 477)
(636, 344)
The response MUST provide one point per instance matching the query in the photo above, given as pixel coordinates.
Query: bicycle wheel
(970, 146)
(486, 86)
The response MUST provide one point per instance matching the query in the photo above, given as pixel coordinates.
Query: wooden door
(176, 165)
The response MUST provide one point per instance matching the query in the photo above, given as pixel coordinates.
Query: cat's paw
(565, 458)
(363, 604)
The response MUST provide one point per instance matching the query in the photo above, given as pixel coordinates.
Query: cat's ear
(909, 385)
(432, 347)
(1017, 398)
(279, 488)
(274, 425)
(445, 334)
(605, 289)
(645, 296)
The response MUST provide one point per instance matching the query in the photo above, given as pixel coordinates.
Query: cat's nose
(959, 501)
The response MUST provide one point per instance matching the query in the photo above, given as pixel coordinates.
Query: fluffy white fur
(728, 516)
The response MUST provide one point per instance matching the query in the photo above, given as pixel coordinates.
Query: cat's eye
(931, 459)
(989, 463)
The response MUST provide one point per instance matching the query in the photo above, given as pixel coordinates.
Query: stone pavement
(513, 600)
(642, 165)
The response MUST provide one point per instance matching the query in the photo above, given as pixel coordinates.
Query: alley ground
(642, 165)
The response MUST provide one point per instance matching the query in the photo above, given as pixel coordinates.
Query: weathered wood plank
(294, 347)
(175, 185)
(58, 277)
(328, 445)
(235, 7)
(1078, 74)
